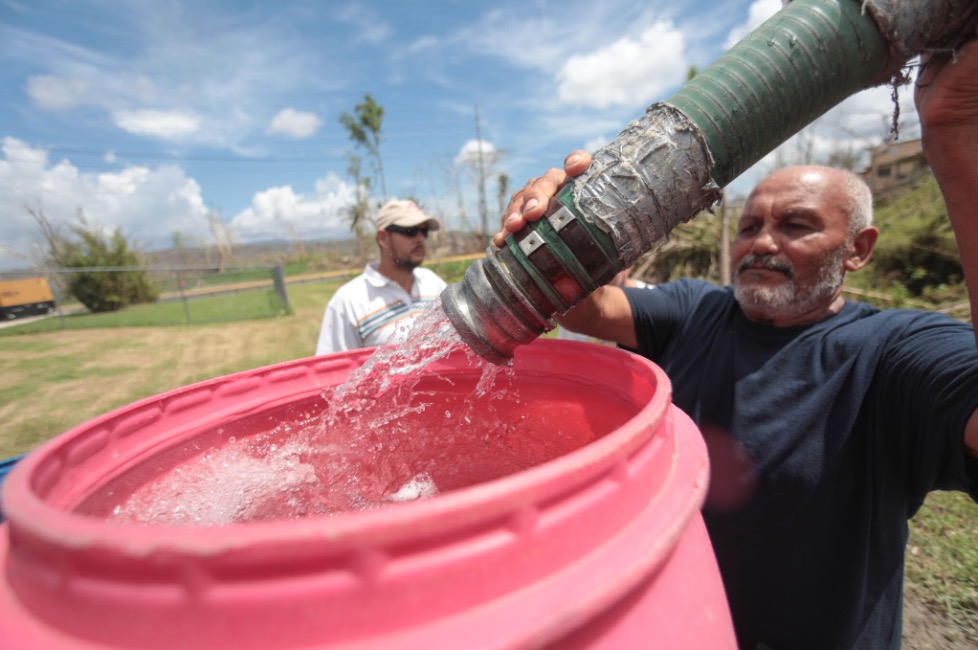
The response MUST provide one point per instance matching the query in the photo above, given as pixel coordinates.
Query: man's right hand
(606, 313)
(530, 203)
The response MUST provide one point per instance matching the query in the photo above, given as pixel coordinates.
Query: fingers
(537, 193)
(577, 162)
(530, 203)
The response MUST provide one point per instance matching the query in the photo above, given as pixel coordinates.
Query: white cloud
(868, 115)
(760, 10)
(539, 37)
(629, 72)
(184, 75)
(54, 93)
(149, 205)
(294, 124)
(533, 41)
(468, 155)
(160, 124)
(281, 213)
(861, 121)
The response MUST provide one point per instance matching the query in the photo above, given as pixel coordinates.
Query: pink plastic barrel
(601, 547)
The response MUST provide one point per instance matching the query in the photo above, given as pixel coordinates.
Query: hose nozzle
(509, 298)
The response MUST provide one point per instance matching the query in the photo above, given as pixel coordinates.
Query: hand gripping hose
(670, 164)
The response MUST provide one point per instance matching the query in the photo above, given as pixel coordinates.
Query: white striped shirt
(372, 309)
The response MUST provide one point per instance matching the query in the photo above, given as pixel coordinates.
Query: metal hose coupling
(508, 299)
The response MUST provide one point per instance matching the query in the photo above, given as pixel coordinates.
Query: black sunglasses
(409, 232)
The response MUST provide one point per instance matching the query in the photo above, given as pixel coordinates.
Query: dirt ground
(926, 630)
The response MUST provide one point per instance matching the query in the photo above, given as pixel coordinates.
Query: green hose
(789, 71)
(668, 165)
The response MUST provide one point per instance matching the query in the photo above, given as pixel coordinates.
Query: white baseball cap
(406, 214)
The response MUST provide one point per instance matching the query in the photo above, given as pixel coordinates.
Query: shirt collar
(373, 275)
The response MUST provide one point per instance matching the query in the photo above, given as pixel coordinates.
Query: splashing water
(397, 430)
(379, 390)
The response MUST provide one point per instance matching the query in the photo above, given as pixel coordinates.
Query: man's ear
(862, 248)
(383, 239)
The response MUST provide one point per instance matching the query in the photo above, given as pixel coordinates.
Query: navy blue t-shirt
(835, 432)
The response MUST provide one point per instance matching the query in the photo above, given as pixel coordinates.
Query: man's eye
(798, 226)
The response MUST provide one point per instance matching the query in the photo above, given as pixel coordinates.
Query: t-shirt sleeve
(660, 313)
(339, 331)
(928, 389)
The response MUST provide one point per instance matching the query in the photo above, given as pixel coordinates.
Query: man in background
(380, 305)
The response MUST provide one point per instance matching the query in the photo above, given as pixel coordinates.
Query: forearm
(954, 162)
(605, 314)
(955, 166)
(946, 95)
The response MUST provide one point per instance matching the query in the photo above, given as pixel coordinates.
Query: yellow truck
(25, 297)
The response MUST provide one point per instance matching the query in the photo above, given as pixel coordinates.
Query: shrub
(105, 290)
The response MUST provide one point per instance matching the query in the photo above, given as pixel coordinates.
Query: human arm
(947, 105)
(606, 314)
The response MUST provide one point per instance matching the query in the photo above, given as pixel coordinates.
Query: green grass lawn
(245, 305)
(942, 557)
(55, 379)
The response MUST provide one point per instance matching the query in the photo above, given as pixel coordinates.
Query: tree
(451, 174)
(358, 212)
(295, 237)
(364, 128)
(918, 251)
(223, 239)
(844, 157)
(691, 250)
(480, 158)
(503, 187)
(116, 279)
(481, 167)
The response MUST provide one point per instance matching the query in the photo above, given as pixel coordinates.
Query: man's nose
(764, 243)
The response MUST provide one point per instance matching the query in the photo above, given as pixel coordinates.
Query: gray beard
(786, 300)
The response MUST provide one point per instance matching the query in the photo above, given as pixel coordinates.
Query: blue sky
(151, 115)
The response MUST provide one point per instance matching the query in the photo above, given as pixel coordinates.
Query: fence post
(58, 299)
(181, 284)
(278, 274)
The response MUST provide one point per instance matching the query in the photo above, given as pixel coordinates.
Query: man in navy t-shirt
(828, 421)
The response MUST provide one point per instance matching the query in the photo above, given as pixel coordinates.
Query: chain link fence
(185, 294)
